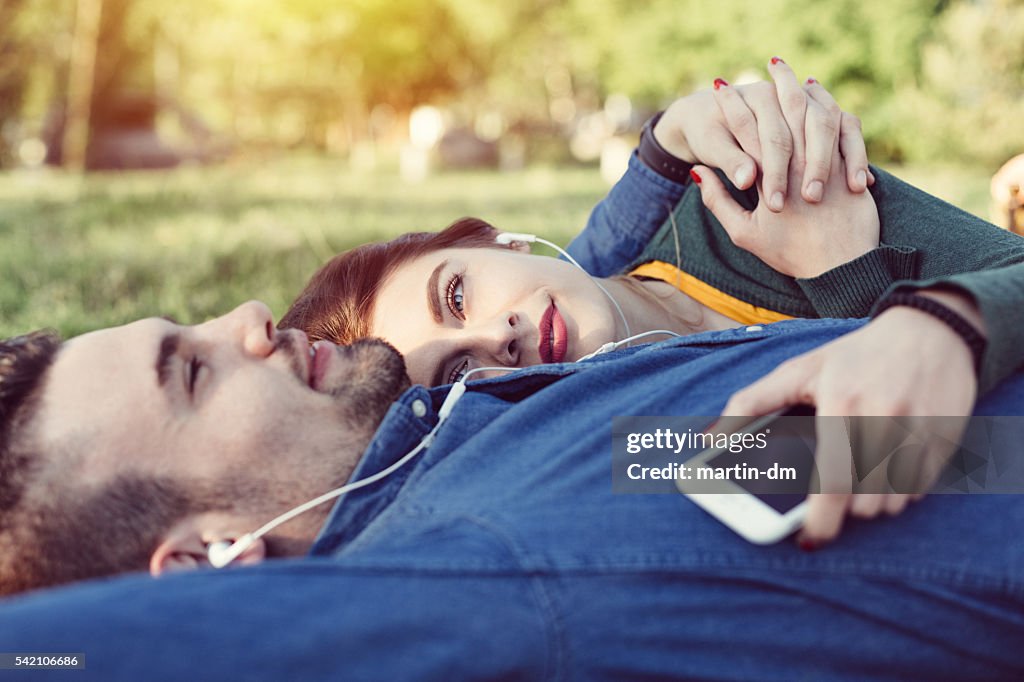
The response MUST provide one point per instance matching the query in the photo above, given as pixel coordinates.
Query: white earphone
(223, 552)
(509, 237)
(216, 553)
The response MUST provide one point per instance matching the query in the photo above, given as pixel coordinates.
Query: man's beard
(377, 378)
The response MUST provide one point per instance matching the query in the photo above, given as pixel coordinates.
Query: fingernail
(693, 174)
(807, 544)
(815, 191)
(862, 178)
(720, 83)
(811, 81)
(776, 60)
(777, 201)
(743, 177)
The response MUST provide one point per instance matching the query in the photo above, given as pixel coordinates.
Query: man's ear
(186, 545)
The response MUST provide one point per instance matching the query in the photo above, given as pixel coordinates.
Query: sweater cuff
(852, 288)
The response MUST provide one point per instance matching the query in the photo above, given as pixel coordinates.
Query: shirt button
(755, 328)
(419, 408)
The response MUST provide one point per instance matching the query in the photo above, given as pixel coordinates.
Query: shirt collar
(407, 421)
(414, 414)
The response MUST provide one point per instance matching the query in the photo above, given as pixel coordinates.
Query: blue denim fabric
(501, 553)
(623, 223)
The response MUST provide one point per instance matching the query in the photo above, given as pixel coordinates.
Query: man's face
(228, 400)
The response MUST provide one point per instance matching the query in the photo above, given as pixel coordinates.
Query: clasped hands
(779, 136)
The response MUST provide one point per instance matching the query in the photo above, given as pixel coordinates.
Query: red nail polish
(693, 174)
(811, 81)
(776, 60)
(720, 83)
(808, 545)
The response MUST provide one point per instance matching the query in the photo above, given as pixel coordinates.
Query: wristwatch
(657, 158)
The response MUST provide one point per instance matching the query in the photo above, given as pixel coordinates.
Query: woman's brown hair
(337, 303)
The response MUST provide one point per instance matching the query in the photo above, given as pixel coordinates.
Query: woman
(483, 304)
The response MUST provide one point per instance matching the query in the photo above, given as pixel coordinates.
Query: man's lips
(553, 338)
(320, 358)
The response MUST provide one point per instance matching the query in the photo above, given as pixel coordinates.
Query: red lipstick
(553, 338)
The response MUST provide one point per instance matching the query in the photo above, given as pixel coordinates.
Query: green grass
(79, 254)
(193, 243)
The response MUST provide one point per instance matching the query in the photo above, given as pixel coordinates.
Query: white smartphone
(754, 507)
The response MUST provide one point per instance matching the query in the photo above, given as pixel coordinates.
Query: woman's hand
(805, 239)
(808, 238)
(905, 363)
(746, 129)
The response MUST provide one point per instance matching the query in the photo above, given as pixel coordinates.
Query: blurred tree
(13, 74)
(78, 116)
(971, 92)
(33, 36)
(308, 72)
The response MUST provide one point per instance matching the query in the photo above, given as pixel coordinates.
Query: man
(499, 553)
(76, 461)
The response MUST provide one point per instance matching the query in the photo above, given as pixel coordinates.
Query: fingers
(736, 221)
(822, 132)
(793, 102)
(895, 503)
(851, 138)
(867, 505)
(824, 520)
(791, 383)
(743, 126)
(774, 137)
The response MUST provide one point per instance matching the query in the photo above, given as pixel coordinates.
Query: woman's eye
(455, 296)
(193, 372)
(459, 372)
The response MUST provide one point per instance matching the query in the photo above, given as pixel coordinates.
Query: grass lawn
(78, 254)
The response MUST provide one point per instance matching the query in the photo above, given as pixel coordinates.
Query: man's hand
(744, 129)
(903, 363)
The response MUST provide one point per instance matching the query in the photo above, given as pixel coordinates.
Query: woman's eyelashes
(458, 372)
(455, 297)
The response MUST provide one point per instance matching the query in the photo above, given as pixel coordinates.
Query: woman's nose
(501, 339)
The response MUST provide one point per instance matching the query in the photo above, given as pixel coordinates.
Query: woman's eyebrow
(433, 300)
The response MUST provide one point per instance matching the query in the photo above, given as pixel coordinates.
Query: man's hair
(50, 531)
(337, 303)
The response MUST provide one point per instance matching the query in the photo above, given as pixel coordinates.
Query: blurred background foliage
(287, 131)
(927, 77)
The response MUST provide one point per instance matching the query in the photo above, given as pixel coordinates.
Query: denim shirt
(622, 225)
(502, 553)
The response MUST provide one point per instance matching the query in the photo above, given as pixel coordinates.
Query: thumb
(791, 383)
(736, 221)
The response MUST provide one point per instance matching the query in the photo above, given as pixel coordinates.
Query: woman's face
(457, 309)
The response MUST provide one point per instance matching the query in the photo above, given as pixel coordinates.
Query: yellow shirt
(704, 293)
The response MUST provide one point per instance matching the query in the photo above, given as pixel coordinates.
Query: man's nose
(500, 338)
(253, 323)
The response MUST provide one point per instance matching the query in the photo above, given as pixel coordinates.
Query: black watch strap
(658, 159)
(954, 320)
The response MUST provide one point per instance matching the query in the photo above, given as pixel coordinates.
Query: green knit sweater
(924, 242)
